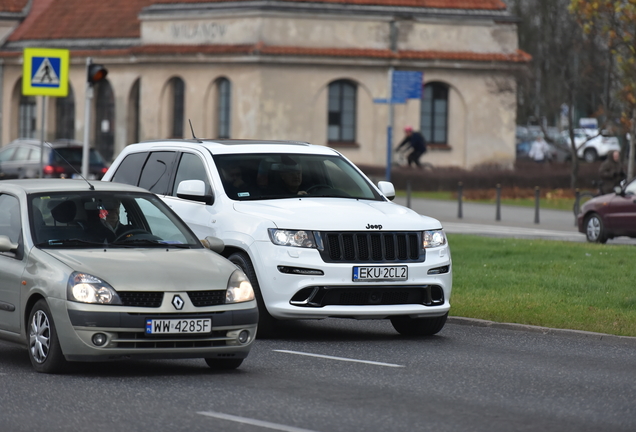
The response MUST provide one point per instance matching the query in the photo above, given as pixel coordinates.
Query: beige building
(308, 70)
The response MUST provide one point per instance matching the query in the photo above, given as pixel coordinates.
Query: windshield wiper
(137, 242)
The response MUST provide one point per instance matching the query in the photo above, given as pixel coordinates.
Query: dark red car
(611, 215)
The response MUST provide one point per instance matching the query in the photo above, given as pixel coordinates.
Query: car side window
(155, 175)
(10, 223)
(129, 170)
(21, 154)
(190, 167)
(6, 154)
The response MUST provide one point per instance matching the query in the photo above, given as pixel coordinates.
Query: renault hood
(337, 214)
(150, 269)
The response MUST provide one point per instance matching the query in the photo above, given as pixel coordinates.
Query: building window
(434, 113)
(133, 112)
(342, 112)
(27, 118)
(178, 106)
(65, 116)
(224, 91)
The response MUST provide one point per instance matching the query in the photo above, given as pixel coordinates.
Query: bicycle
(584, 197)
(400, 159)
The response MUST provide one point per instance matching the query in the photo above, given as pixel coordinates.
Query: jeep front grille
(372, 247)
(319, 296)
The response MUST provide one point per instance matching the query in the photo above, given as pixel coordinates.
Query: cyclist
(416, 141)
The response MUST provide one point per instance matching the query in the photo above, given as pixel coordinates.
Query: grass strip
(579, 286)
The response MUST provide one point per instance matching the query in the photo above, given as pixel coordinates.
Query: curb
(543, 330)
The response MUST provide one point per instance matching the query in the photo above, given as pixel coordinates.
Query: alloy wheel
(593, 228)
(40, 337)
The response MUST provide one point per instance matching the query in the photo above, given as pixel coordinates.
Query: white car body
(244, 226)
(591, 144)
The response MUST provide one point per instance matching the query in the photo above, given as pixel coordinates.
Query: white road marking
(253, 422)
(339, 358)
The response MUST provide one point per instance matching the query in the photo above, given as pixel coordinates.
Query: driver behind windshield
(107, 226)
(291, 176)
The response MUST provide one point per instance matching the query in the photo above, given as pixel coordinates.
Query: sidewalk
(515, 221)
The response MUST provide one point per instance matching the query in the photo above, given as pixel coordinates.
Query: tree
(569, 68)
(614, 23)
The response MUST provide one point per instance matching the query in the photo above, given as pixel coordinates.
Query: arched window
(342, 112)
(105, 119)
(133, 112)
(27, 117)
(224, 92)
(177, 87)
(434, 113)
(65, 116)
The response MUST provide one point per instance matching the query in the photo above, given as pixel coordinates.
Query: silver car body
(43, 273)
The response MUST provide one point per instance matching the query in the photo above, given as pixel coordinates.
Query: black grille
(141, 299)
(207, 298)
(140, 340)
(357, 247)
(428, 295)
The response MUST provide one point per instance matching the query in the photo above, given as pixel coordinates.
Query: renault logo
(177, 302)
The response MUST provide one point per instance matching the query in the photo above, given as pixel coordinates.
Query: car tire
(408, 326)
(45, 352)
(594, 229)
(590, 155)
(266, 323)
(223, 364)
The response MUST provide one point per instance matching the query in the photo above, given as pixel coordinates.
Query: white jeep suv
(313, 234)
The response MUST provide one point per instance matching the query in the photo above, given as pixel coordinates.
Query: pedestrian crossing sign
(45, 72)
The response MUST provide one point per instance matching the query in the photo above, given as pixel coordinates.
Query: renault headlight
(86, 288)
(296, 238)
(239, 288)
(433, 238)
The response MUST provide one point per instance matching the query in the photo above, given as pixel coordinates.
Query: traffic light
(96, 73)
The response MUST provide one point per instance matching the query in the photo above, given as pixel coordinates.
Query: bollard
(459, 200)
(577, 205)
(408, 193)
(498, 213)
(536, 204)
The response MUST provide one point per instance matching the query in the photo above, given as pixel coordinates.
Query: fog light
(99, 339)
(243, 336)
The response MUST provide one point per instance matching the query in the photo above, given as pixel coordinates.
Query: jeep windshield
(274, 176)
(95, 219)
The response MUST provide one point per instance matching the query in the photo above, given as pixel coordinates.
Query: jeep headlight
(239, 288)
(86, 288)
(295, 238)
(433, 238)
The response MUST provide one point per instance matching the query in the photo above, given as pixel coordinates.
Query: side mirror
(618, 190)
(387, 189)
(194, 190)
(6, 245)
(215, 244)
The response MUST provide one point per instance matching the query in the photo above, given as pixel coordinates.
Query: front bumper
(124, 328)
(281, 290)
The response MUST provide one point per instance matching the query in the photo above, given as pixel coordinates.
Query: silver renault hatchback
(104, 271)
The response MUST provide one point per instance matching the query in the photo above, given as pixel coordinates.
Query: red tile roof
(442, 4)
(13, 5)
(518, 56)
(80, 19)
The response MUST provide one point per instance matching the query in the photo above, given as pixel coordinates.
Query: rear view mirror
(215, 244)
(387, 189)
(618, 190)
(194, 190)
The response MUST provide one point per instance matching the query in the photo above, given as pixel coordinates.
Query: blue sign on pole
(406, 85)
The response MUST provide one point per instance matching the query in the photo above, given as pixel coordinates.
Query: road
(343, 375)
(516, 221)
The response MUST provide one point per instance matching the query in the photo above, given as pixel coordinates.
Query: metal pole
(87, 122)
(408, 193)
(536, 204)
(45, 100)
(460, 186)
(389, 128)
(498, 213)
